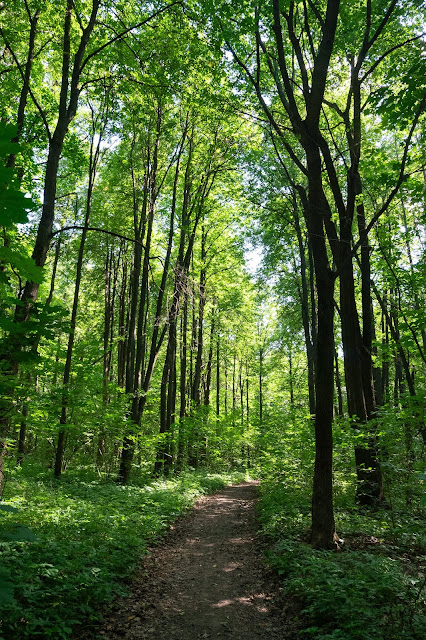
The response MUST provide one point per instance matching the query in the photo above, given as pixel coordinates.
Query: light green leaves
(14, 205)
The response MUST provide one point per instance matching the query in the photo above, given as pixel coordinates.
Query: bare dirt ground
(207, 579)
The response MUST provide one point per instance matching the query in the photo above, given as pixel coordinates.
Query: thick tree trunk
(359, 387)
(323, 527)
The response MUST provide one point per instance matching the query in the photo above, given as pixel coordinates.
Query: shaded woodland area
(213, 264)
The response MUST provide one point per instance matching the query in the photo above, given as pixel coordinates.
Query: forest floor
(206, 579)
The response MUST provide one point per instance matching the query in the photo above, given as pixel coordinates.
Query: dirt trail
(206, 580)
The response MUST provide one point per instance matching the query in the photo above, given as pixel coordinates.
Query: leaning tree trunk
(23, 427)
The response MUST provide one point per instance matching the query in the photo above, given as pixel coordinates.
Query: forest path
(207, 579)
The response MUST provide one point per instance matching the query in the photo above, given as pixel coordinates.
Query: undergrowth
(72, 544)
(373, 589)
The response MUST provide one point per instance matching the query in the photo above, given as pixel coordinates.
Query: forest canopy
(213, 250)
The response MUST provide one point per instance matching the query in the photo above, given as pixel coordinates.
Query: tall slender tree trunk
(209, 362)
(261, 356)
(122, 326)
(359, 392)
(304, 299)
(65, 399)
(23, 98)
(218, 377)
(234, 388)
(338, 386)
(290, 377)
(199, 327)
(182, 383)
(67, 110)
(226, 387)
(241, 387)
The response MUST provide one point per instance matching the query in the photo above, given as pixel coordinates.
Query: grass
(73, 544)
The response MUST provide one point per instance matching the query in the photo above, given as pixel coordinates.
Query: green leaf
(8, 507)
(19, 533)
(6, 591)
(23, 264)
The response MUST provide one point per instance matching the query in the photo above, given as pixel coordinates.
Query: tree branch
(401, 177)
(110, 233)
(389, 51)
(125, 32)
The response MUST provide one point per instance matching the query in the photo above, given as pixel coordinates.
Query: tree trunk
(234, 388)
(65, 399)
(218, 377)
(304, 300)
(199, 328)
(361, 404)
(67, 111)
(323, 527)
(68, 103)
(23, 98)
(209, 363)
(261, 386)
(290, 378)
(182, 384)
(338, 386)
